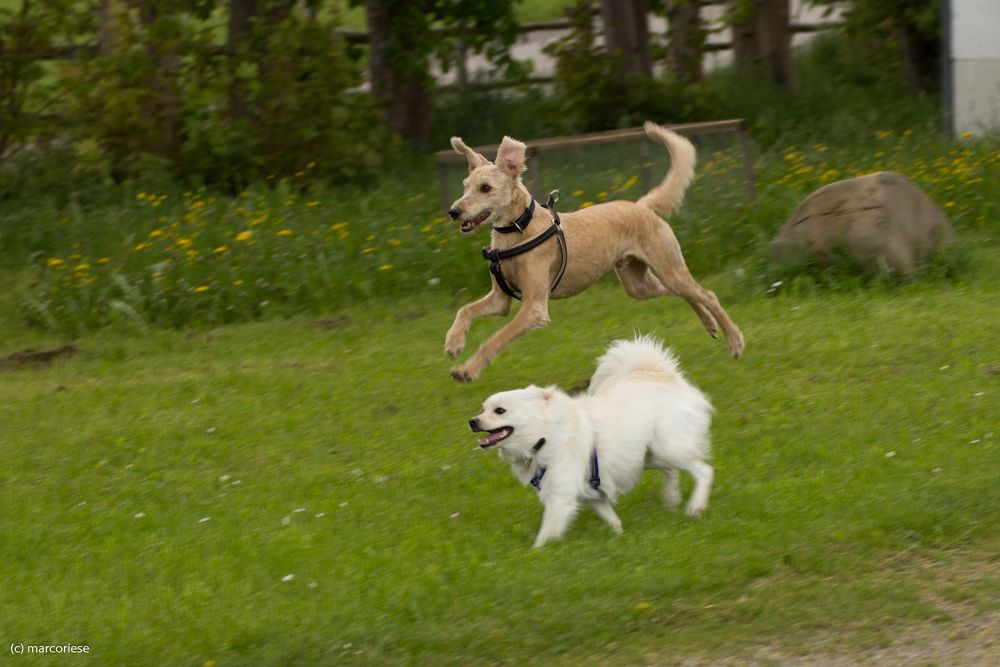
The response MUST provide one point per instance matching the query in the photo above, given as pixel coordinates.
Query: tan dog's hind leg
(534, 313)
(666, 261)
(494, 303)
(640, 283)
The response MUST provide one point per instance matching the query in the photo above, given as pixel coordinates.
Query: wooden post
(644, 171)
(442, 169)
(747, 162)
(535, 167)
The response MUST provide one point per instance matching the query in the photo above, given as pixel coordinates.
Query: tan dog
(628, 236)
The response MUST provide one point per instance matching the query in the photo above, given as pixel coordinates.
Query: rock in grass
(881, 220)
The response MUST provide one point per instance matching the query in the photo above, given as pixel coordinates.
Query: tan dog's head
(493, 190)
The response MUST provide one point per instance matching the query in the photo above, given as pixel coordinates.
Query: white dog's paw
(694, 511)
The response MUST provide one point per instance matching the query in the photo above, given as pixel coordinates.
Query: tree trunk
(762, 40)
(921, 57)
(746, 50)
(626, 34)
(400, 84)
(775, 38)
(686, 39)
(164, 106)
(241, 14)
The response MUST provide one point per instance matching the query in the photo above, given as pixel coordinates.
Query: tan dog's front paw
(453, 345)
(736, 346)
(463, 374)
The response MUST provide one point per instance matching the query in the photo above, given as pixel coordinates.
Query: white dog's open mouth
(470, 225)
(494, 437)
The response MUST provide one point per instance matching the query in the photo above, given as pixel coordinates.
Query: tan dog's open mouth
(470, 225)
(495, 436)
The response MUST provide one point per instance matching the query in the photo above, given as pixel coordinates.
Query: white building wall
(974, 32)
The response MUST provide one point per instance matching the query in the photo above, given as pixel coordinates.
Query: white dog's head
(515, 420)
(493, 190)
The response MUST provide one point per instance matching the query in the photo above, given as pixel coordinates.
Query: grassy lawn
(288, 493)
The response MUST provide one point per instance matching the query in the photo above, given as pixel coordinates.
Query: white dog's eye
(499, 411)
(485, 187)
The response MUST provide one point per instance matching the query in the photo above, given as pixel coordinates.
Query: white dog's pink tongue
(492, 437)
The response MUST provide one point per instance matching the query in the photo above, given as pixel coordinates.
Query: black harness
(595, 471)
(494, 257)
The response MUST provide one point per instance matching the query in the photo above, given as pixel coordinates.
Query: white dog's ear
(475, 159)
(510, 156)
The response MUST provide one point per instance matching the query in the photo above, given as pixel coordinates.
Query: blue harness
(595, 471)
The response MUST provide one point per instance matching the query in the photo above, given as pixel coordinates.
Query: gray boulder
(882, 220)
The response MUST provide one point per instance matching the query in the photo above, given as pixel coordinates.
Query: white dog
(638, 413)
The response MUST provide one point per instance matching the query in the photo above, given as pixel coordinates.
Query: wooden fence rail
(737, 126)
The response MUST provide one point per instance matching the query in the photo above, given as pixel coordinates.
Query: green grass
(855, 446)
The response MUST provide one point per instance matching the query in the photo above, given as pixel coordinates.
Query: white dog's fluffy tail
(668, 195)
(643, 354)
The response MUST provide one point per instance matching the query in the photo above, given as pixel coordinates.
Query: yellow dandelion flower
(312, 204)
(221, 249)
(586, 204)
(367, 250)
(184, 243)
(104, 260)
(285, 232)
(338, 225)
(385, 267)
(602, 195)
(54, 263)
(244, 236)
(237, 283)
(577, 193)
(395, 242)
(629, 183)
(642, 606)
(156, 233)
(201, 288)
(966, 135)
(143, 246)
(439, 218)
(83, 266)
(425, 229)
(310, 165)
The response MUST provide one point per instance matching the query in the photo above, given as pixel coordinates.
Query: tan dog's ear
(510, 157)
(549, 392)
(474, 158)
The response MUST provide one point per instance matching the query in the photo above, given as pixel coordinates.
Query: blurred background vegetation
(225, 93)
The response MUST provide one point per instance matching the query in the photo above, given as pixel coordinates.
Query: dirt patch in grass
(965, 632)
(31, 358)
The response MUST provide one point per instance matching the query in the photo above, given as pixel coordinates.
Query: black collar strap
(522, 221)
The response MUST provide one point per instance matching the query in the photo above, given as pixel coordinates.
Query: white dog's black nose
(474, 424)
(454, 213)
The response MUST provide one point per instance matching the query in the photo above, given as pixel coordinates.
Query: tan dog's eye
(485, 187)
(499, 411)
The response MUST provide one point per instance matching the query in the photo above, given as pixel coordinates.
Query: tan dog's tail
(668, 195)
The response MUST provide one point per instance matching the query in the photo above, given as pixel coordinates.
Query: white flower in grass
(889, 455)
(288, 577)
(286, 521)
(300, 509)
(139, 515)
(343, 504)
(204, 519)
